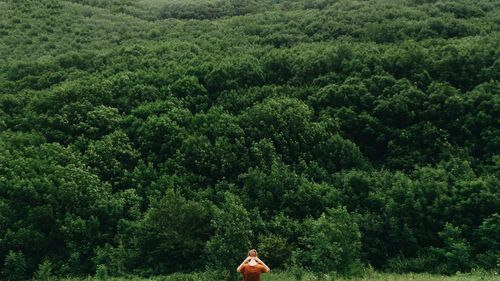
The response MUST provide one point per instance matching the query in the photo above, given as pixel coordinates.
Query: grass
(284, 276)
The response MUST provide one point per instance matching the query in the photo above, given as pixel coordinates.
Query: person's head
(252, 253)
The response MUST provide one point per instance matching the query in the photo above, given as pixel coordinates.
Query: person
(252, 267)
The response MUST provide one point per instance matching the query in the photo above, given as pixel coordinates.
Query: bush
(231, 241)
(101, 272)
(172, 235)
(14, 268)
(331, 243)
(456, 253)
(488, 244)
(275, 250)
(424, 261)
(44, 271)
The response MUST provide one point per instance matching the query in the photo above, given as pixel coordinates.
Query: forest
(158, 137)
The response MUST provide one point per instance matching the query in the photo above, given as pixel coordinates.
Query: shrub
(456, 252)
(231, 240)
(331, 243)
(14, 268)
(44, 271)
(101, 272)
(488, 244)
(275, 250)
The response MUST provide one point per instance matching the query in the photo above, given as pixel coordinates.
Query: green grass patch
(286, 276)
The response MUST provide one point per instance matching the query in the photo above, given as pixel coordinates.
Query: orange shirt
(252, 273)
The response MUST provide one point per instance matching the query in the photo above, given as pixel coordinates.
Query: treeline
(176, 145)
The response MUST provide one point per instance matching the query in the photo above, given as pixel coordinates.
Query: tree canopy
(152, 137)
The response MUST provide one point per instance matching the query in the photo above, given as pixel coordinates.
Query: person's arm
(243, 263)
(263, 264)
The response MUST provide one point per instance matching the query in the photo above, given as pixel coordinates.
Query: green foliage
(488, 245)
(205, 9)
(14, 267)
(156, 137)
(275, 250)
(44, 271)
(456, 251)
(172, 235)
(309, 276)
(101, 272)
(231, 238)
(57, 207)
(331, 243)
(111, 156)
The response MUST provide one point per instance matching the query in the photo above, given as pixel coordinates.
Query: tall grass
(286, 276)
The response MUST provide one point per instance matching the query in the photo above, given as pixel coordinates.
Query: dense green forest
(151, 137)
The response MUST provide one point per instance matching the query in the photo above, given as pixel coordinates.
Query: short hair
(252, 251)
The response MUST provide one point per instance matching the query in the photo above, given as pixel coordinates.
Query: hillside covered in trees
(157, 136)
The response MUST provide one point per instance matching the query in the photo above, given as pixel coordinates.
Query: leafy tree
(53, 197)
(111, 157)
(192, 92)
(456, 251)
(44, 271)
(171, 237)
(275, 250)
(285, 121)
(331, 243)
(233, 74)
(487, 244)
(232, 233)
(14, 267)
